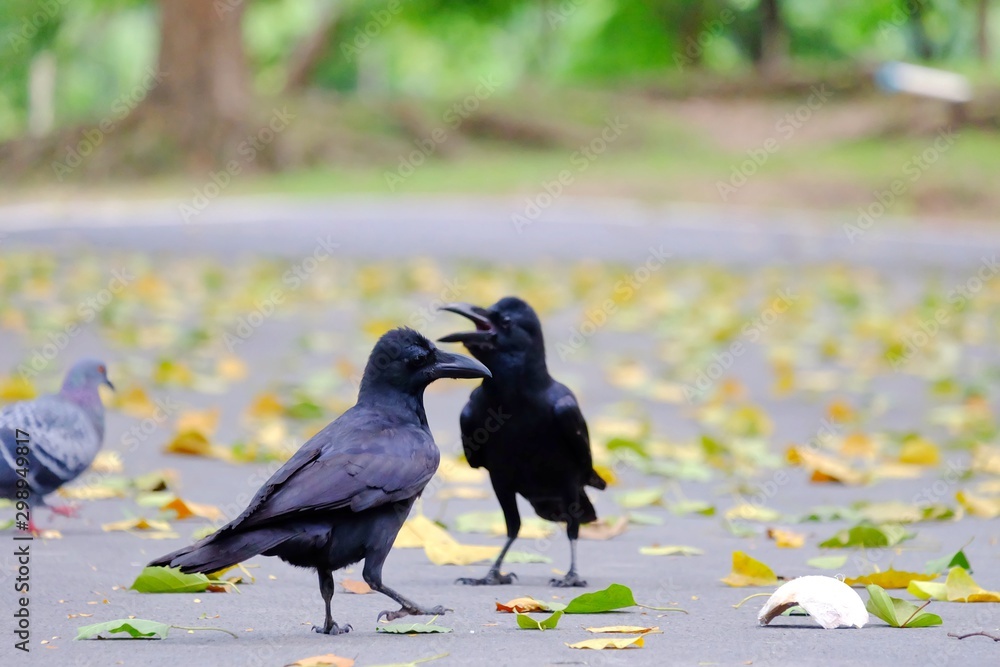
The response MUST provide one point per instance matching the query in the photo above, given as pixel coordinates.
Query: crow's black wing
(574, 431)
(468, 422)
(355, 463)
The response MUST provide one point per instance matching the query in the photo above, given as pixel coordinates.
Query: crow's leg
(372, 574)
(572, 579)
(326, 590)
(508, 503)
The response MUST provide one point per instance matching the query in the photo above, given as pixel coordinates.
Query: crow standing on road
(538, 444)
(344, 495)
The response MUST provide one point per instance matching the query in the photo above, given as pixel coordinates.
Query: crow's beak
(457, 366)
(484, 332)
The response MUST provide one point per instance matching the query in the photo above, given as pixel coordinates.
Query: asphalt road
(88, 570)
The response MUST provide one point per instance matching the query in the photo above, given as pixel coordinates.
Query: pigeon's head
(405, 360)
(87, 374)
(507, 329)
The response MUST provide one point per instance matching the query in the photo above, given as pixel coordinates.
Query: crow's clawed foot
(69, 511)
(571, 580)
(332, 629)
(493, 578)
(412, 611)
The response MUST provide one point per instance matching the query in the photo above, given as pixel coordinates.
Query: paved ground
(272, 617)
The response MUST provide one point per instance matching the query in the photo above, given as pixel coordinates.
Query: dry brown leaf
(356, 587)
(602, 529)
(186, 509)
(523, 606)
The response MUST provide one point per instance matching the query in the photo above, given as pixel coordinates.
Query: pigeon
(52, 440)
(525, 428)
(344, 495)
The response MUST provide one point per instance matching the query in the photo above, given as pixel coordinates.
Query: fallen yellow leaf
(601, 644)
(984, 508)
(201, 421)
(463, 493)
(786, 539)
(356, 587)
(959, 587)
(453, 553)
(107, 463)
(90, 492)
(918, 451)
(625, 629)
(749, 571)
(523, 606)
(454, 471)
(325, 660)
(16, 389)
(266, 405)
(186, 509)
(136, 524)
(418, 531)
(231, 367)
(825, 468)
(135, 402)
(889, 579)
(603, 529)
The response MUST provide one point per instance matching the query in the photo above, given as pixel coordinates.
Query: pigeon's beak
(108, 384)
(457, 366)
(484, 333)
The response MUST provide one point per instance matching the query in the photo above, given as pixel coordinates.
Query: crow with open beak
(525, 428)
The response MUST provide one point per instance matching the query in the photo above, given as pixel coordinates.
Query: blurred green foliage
(437, 48)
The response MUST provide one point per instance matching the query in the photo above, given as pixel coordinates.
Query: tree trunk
(983, 30)
(773, 39)
(311, 51)
(203, 97)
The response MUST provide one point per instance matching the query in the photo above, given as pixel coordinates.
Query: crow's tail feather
(596, 481)
(222, 550)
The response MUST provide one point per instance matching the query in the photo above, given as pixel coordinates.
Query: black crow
(344, 495)
(525, 428)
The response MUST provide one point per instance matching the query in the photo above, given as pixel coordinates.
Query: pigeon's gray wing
(357, 462)
(62, 443)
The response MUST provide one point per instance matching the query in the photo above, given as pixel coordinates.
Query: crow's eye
(505, 322)
(419, 360)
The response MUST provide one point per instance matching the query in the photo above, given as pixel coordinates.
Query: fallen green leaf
(126, 628)
(526, 622)
(898, 613)
(867, 535)
(169, 580)
(827, 562)
(613, 597)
